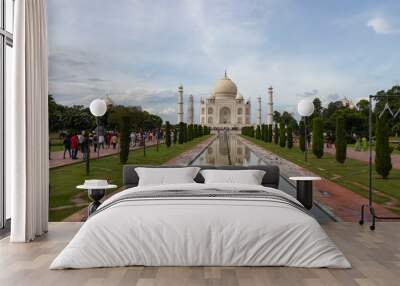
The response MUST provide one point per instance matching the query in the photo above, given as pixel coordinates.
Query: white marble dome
(225, 87)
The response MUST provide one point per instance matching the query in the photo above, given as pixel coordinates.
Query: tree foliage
(383, 161)
(77, 118)
(248, 131)
(167, 134)
(289, 132)
(318, 137)
(276, 134)
(181, 133)
(190, 132)
(264, 132)
(270, 133)
(340, 143)
(282, 135)
(125, 131)
(258, 132)
(175, 135)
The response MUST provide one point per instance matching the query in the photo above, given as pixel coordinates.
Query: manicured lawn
(63, 180)
(395, 149)
(352, 174)
(56, 148)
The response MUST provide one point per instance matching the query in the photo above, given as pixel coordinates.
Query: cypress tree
(185, 132)
(264, 132)
(181, 135)
(282, 135)
(318, 137)
(290, 136)
(383, 160)
(167, 134)
(258, 132)
(302, 143)
(340, 143)
(125, 124)
(175, 135)
(276, 134)
(270, 133)
(190, 132)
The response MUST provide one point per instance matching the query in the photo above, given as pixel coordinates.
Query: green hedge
(282, 135)
(289, 132)
(340, 143)
(318, 137)
(383, 161)
(276, 134)
(167, 134)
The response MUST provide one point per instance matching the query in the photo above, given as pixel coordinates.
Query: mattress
(201, 225)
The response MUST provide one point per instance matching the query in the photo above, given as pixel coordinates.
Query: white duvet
(199, 231)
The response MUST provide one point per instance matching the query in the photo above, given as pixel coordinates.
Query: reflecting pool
(227, 149)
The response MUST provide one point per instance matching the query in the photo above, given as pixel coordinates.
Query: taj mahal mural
(225, 107)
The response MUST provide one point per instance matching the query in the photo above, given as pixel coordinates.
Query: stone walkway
(187, 157)
(340, 202)
(57, 159)
(363, 155)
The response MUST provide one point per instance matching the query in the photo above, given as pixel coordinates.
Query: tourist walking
(85, 146)
(95, 142)
(101, 141)
(74, 146)
(132, 139)
(80, 140)
(114, 141)
(109, 137)
(67, 145)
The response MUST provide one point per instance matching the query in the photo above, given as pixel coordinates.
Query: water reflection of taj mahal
(228, 151)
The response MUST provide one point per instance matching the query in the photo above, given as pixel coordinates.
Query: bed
(201, 224)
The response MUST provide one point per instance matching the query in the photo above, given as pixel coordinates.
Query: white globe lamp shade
(305, 107)
(98, 107)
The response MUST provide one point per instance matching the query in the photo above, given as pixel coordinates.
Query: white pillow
(166, 176)
(248, 177)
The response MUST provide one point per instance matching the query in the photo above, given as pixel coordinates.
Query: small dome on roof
(109, 101)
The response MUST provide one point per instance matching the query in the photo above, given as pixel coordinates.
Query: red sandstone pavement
(57, 159)
(364, 156)
(341, 202)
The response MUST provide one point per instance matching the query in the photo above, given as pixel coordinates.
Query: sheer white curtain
(27, 124)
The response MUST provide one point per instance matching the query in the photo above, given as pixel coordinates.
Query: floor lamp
(98, 108)
(369, 205)
(305, 108)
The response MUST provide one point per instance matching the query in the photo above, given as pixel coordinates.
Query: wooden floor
(375, 257)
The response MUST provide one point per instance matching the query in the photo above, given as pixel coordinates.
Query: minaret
(190, 110)
(180, 104)
(259, 111)
(270, 107)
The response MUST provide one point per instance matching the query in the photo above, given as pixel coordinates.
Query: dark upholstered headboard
(270, 179)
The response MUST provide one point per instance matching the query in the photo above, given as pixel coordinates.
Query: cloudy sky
(139, 52)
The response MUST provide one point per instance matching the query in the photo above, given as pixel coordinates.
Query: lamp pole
(305, 138)
(98, 107)
(305, 108)
(98, 138)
